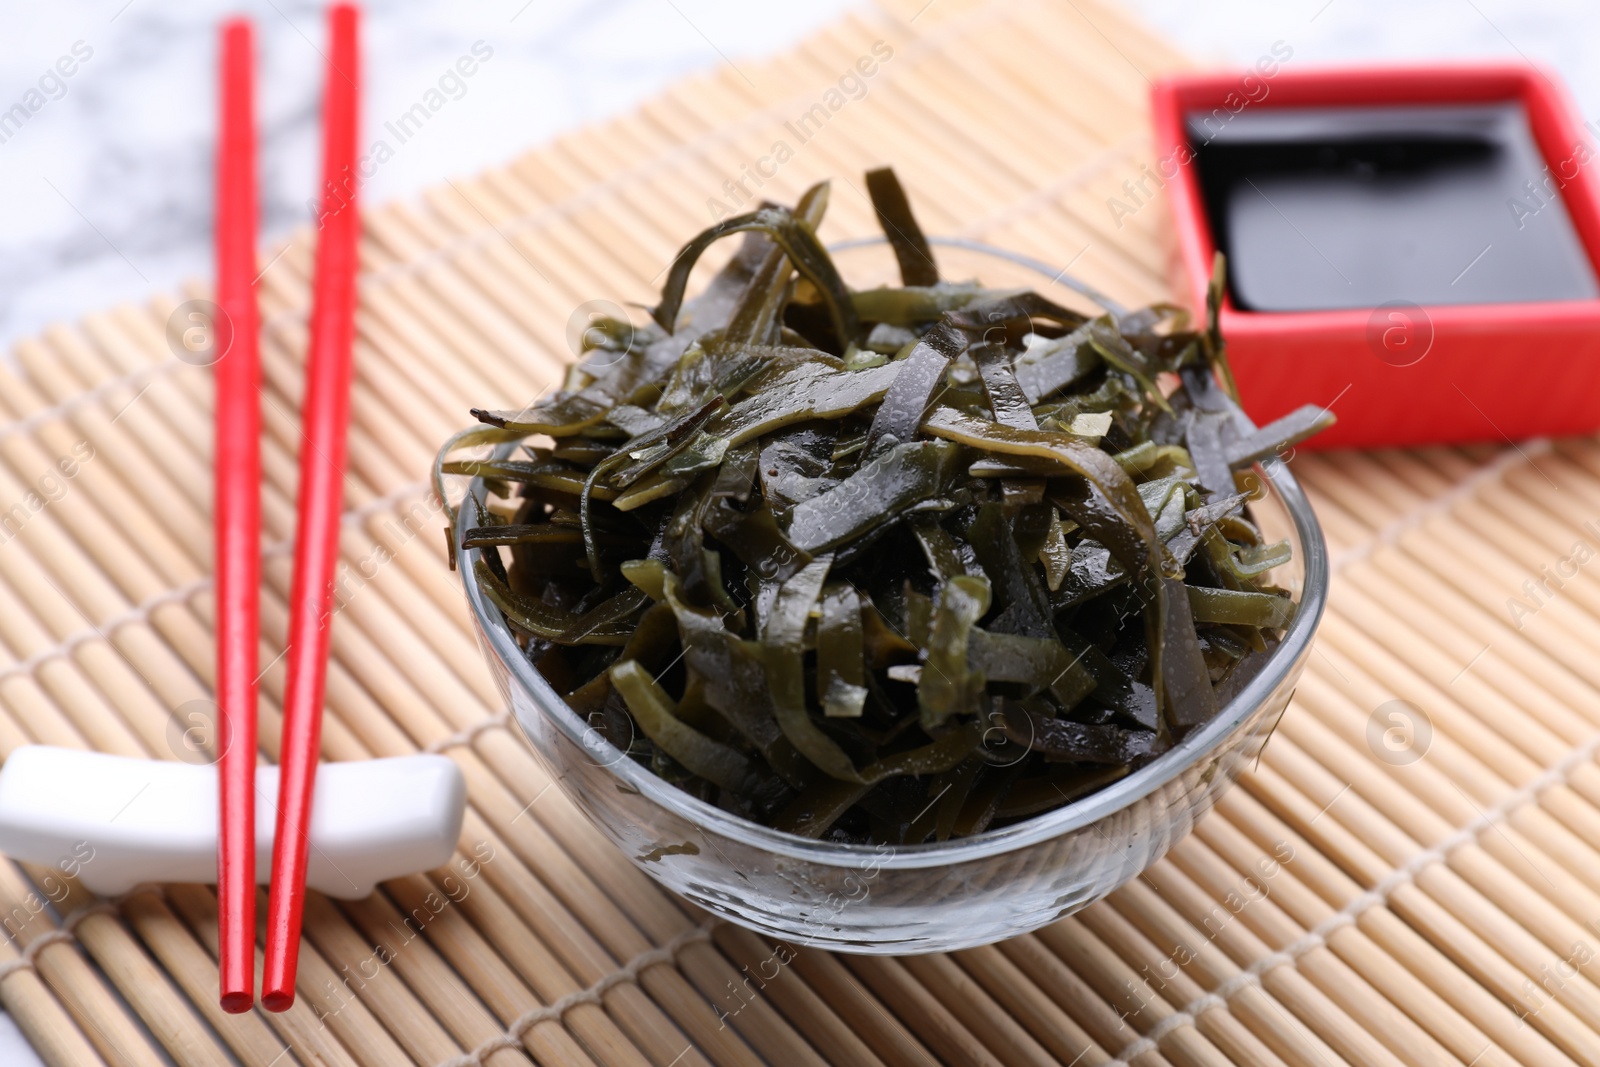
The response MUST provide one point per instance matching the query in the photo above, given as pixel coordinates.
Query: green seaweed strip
(758, 318)
(1280, 434)
(591, 546)
(735, 682)
(1055, 364)
(520, 534)
(1073, 742)
(1043, 663)
(1211, 338)
(799, 243)
(783, 653)
(917, 305)
(911, 249)
(1111, 499)
(1115, 350)
(915, 387)
(472, 437)
(873, 496)
(957, 785)
(841, 678)
(948, 687)
(656, 714)
(1006, 398)
(813, 390)
(814, 811)
(654, 449)
(1238, 607)
(532, 616)
(605, 623)
(1184, 697)
(944, 558)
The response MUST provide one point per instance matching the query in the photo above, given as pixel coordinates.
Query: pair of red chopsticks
(325, 417)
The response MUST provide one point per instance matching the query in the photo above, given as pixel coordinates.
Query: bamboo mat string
(101, 391)
(141, 612)
(592, 994)
(497, 721)
(1442, 504)
(24, 962)
(1316, 885)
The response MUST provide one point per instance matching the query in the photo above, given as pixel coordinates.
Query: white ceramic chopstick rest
(115, 822)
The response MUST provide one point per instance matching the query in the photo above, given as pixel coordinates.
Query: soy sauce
(1324, 208)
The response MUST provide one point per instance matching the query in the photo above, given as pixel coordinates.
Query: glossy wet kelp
(894, 565)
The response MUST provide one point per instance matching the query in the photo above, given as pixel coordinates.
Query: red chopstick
(238, 515)
(325, 416)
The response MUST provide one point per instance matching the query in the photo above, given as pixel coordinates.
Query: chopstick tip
(237, 1003)
(278, 1001)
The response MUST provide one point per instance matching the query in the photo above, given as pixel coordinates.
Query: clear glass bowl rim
(1075, 815)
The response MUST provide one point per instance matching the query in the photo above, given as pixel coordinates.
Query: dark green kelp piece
(900, 226)
(891, 565)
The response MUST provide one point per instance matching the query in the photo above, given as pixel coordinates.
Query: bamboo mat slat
(1341, 905)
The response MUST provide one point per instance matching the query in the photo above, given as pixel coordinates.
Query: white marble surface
(104, 192)
(1555, 33)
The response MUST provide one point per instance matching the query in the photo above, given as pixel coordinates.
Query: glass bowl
(886, 899)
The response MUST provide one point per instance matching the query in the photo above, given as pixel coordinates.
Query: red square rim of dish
(1402, 374)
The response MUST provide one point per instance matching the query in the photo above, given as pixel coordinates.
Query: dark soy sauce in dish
(1350, 207)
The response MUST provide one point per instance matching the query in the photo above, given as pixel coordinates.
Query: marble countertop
(105, 184)
(105, 176)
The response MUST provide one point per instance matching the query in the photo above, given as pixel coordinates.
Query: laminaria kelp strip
(892, 565)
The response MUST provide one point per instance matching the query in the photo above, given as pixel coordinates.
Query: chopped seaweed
(891, 565)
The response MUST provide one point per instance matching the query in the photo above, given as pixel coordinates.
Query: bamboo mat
(1347, 903)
